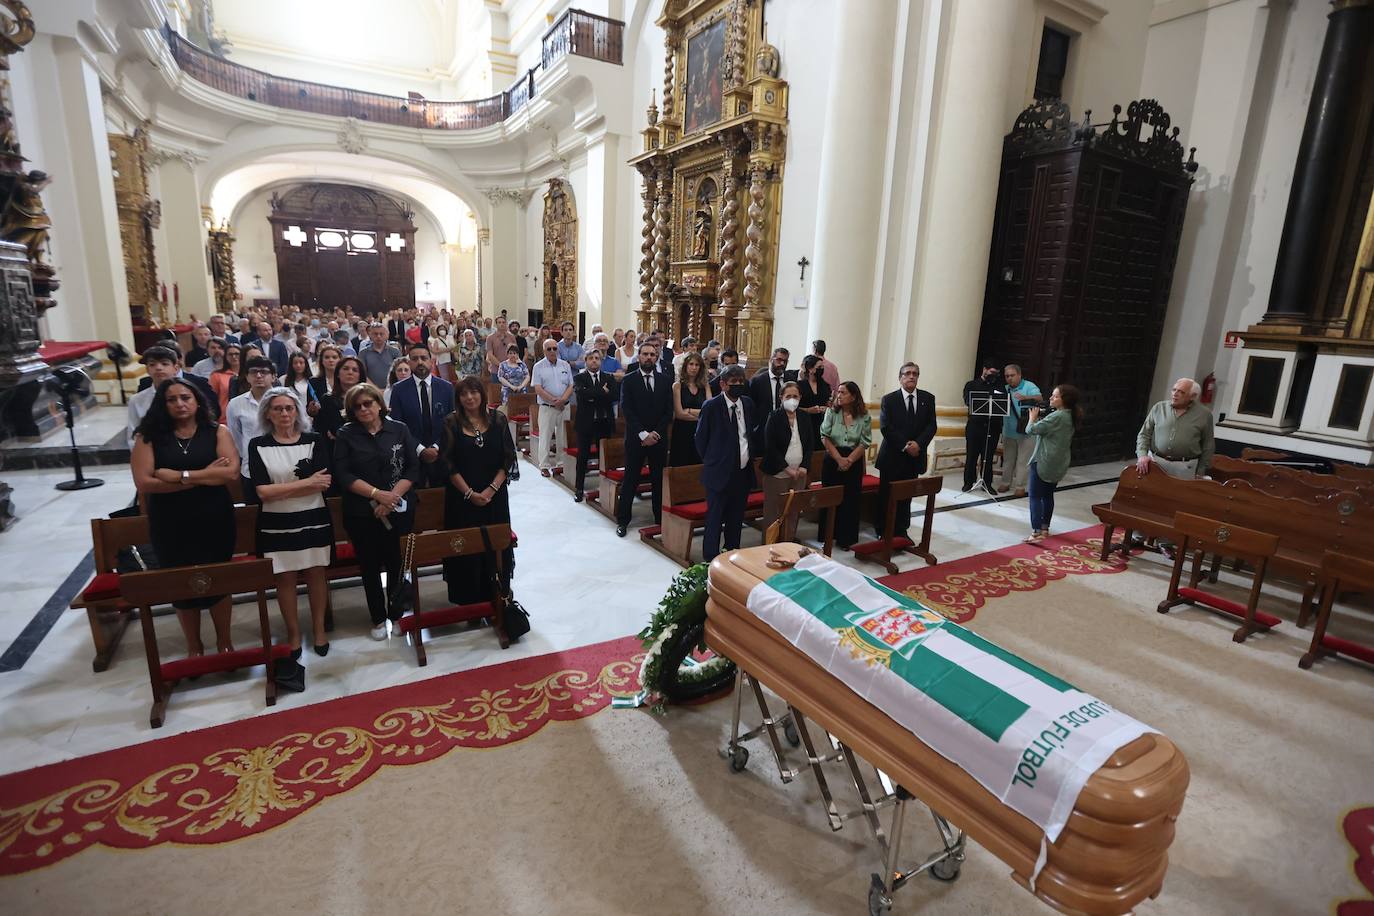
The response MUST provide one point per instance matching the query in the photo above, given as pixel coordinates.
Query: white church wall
(1234, 263)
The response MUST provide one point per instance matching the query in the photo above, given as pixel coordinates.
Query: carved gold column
(662, 243)
(139, 215)
(753, 263)
(727, 311)
(646, 244)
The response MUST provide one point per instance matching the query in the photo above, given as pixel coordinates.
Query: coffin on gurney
(1112, 852)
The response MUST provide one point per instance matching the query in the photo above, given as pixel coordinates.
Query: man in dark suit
(724, 439)
(596, 393)
(728, 357)
(396, 329)
(907, 422)
(766, 388)
(646, 403)
(273, 348)
(422, 402)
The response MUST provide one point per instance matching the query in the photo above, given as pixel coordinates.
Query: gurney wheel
(878, 901)
(946, 869)
(739, 758)
(789, 731)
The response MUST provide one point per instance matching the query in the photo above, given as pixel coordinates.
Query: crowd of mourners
(283, 408)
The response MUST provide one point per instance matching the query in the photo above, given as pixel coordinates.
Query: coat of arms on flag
(875, 636)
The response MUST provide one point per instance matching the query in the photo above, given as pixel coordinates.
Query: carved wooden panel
(1082, 260)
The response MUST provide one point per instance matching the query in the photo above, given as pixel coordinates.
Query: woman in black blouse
(815, 395)
(348, 372)
(479, 450)
(375, 468)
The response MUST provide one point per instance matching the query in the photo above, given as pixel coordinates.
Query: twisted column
(670, 53)
(662, 238)
(729, 245)
(753, 251)
(646, 244)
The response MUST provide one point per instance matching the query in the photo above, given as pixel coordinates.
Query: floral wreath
(676, 631)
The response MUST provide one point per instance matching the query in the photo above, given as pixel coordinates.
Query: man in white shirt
(212, 362)
(242, 417)
(553, 388)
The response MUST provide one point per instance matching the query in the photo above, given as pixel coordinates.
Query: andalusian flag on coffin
(1028, 737)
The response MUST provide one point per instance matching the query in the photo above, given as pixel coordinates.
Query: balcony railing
(575, 32)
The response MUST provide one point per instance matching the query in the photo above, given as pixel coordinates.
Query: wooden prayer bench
(1361, 475)
(432, 548)
(162, 586)
(1340, 572)
(684, 511)
(1290, 482)
(611, 475)
(881, 551)
(521, 413)
(570, 453)
(1205, 535)
(1305, 529)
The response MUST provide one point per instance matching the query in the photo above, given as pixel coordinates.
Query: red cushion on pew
(345, 554)
(1226, 606)
(693, 512)
(520, 418)
(572, 451)
(870, 482)
(616, 474)
(444, 616)
(649, 532)
(220, 661)
(104, 587)
(867, 547)
(755, 500)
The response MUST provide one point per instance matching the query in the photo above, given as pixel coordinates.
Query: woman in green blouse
(846, 433)
(1050, 460)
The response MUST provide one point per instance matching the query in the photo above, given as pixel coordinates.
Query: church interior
(927, 449)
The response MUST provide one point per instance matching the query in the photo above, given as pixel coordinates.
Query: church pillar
(961, 193)
(849, 192)
(81, 200)
(185, 238)
(1333, 120)
(600, 273)
(501, 258)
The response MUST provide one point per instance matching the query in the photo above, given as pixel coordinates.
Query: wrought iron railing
(575, 32)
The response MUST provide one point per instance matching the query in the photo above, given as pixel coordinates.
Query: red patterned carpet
(223, 783)
(1359, 831)
(958, 589)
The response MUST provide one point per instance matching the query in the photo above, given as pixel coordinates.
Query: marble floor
(94, 427)
(579, 581)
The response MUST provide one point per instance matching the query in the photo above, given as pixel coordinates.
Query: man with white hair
(1177, 434)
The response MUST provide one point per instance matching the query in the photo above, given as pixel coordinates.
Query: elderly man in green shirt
(1177, 434)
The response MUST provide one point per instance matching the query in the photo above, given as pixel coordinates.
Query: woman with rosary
(479, 451)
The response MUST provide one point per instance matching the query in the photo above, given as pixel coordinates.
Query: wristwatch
(185, 477)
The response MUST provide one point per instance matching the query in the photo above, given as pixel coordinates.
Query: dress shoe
(965, 488)
(620, 531)
(578, 497)
(321, 649)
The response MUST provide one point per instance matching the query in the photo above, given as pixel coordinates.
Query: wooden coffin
(1111, 855)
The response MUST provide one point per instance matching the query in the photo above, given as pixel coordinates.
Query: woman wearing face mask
(786, 456)
(441, 345)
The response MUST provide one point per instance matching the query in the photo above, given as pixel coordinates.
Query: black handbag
(135, 558)
(400, 599)
(289, 674)
(515, 620)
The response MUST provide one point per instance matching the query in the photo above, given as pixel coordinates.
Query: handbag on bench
(515, 620)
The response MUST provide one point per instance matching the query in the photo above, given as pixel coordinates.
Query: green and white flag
(1028, 737)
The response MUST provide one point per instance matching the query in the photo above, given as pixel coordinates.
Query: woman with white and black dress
(290, 471)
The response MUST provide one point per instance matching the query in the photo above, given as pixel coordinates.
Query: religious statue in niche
(560, 253)
(705, 53)
(701, 234)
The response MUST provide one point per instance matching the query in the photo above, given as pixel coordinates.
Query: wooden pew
(1205, 535)
(569, 454)
(1305, 529)
(1352, 472)
(611, 474)
(1282, 481)
(881, 550)
(684, 511)
(162, 586)
(432, 548)
(1340, 572)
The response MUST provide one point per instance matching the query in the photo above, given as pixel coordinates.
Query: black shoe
(620, 530)
(578, 497)
(321, 649)
(513, 475)
(965, 488)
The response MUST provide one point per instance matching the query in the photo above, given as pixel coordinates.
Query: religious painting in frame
(705, 60)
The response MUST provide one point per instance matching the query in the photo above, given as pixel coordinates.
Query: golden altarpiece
(712, 167)
(560, 254)
(139, 215)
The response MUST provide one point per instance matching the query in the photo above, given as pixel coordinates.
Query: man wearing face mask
(646, 402)
(724, 439)
(981, 433)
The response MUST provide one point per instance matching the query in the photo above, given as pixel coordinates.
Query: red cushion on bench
(520, 418)
(345, 554)
(867, 547)
(870, 482)
(444, 616)
(220, 661)
(693, 512)
(755, 500)
(104, 587)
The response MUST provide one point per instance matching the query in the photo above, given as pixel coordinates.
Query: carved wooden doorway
(341, 245)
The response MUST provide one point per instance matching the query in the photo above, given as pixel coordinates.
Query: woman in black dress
(689, 393)
(478, 449)
(347, 373)
(182, 464)
(815, 396)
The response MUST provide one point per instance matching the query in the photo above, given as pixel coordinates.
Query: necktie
(426, 415)
(734, 421)
(777, 391)
(649, 381)
(911, 408)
